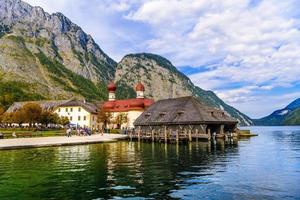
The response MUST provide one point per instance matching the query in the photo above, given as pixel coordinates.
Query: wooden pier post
(152, 135)
(185, 134)
(177, 136)
(190, 135)
(196, 135)
(222, 129)
(165, 134)
(208, 133)
(139, 133)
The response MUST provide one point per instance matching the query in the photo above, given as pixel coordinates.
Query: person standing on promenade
(69, 132)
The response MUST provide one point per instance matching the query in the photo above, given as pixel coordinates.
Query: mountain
(49, 55)
(163, 80)
(46, 56)
(290, 115)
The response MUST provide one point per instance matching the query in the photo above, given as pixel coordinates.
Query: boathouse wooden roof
(183, 110)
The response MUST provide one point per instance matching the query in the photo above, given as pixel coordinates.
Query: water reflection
(214, 170)
(122, 169)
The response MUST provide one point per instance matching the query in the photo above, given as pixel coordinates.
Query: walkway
(21, 143)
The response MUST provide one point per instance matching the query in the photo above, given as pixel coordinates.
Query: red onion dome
(139, 87)
(112, 87)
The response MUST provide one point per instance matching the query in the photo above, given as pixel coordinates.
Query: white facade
(78, 116)
(111, 96)
(131, 115)
(140, 94)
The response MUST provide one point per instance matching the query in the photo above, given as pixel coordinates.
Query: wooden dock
(169, 136)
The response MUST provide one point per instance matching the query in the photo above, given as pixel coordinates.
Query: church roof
(127, 105)
(184, 110)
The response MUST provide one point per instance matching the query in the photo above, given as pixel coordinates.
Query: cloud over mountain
(232, 45)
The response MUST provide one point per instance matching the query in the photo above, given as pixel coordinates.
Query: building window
(71, 118)
(93, 118)
(67, 109)
(78, 118)
(79, 109)
(71, 109)
(59, 110)
(84, 118)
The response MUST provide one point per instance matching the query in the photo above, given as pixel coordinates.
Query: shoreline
(25, 143)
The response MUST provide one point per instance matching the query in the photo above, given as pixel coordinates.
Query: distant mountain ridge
(47, 56)
(290, 115)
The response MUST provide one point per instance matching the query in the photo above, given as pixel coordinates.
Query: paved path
(21, 143)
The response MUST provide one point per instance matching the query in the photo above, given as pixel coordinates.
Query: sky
(246, 51)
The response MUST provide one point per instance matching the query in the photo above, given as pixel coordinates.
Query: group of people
(78, 131)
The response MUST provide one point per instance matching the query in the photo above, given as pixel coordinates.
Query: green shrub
(115, 131)
(12, 91)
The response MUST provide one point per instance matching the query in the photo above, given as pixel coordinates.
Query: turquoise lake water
(263, 167)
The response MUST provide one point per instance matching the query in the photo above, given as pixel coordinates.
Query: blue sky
(247, 51)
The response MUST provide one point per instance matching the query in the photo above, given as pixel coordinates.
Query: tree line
(31, 113)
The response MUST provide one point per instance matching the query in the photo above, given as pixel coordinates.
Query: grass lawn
(29, 133)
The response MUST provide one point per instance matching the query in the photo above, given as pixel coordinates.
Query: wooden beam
(203, 128)
(208, 131)
(222, 129)
(139, 133)
(152, 135)
(165, 134)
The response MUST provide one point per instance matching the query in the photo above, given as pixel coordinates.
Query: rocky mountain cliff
(49, 53)
(290, 115)
(163, 80)
(46, 56)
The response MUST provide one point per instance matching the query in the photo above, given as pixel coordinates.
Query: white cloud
(249, 45)
(253, 45)
(265, 104)
(262, 39)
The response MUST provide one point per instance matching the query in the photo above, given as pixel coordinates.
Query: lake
(263, 167)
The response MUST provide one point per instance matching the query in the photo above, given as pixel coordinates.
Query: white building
(80, 113)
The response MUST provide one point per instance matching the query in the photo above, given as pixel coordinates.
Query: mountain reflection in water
(264, 167)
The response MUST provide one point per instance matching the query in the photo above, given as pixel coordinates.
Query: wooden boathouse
(184, 118)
